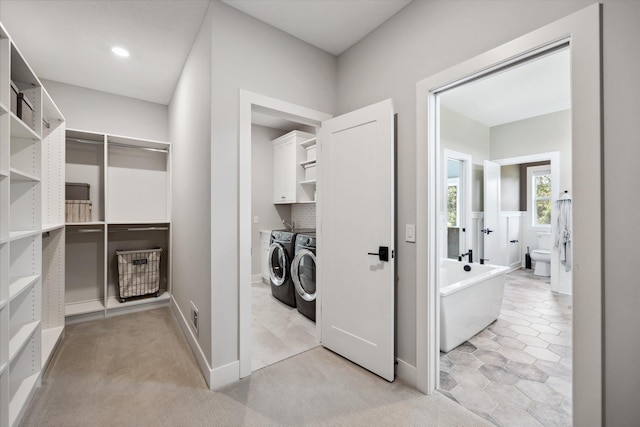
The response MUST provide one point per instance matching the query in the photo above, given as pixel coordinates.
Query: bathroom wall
(510, 188)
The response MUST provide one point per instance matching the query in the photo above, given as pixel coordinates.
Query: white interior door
(492, 242)
(357, 220)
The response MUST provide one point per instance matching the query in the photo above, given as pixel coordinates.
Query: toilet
(542, 255)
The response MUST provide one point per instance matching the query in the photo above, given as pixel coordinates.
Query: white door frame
(247, 102)
(582, 31)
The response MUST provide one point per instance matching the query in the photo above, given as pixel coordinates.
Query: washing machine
(303, 274)
(281, 250)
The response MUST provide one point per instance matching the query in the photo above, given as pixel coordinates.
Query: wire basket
(138, 273)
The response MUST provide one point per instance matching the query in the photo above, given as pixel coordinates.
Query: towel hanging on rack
(563, 230)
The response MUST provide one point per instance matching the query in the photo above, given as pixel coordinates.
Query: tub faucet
(292, 226)
(470, 254)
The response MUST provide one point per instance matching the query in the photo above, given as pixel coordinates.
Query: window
(453, 202)
(541, 198)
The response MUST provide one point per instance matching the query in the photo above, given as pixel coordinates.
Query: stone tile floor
(277, 330)
(517, 372)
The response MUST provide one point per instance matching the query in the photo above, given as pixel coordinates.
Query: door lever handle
(487, 230)
(382, 254)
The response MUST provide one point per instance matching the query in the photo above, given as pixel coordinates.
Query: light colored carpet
(136, 370)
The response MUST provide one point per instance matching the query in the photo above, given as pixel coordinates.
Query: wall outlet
(256, 219)
(194, 318)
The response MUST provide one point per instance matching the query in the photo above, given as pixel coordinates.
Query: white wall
(248, 54)
(190, 127)
(462, 134)
(621, 211)
(88, 109)
(270, 215)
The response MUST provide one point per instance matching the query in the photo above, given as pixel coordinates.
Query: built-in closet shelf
(51, 227)
(20, 337)
(114, 140)
(20, 284)
(50, 339)
(3, 240)
(22, 396)
(307, 202)
(21, 130)
(3, 303)
(18, 175)
(70, 224)
(114, 303)
(17, 235)
(4, 174)
(3, 368)
(308, 163)
(310, 182)
(3, 108)
(153, 222)
(83, 307)
(308, 142)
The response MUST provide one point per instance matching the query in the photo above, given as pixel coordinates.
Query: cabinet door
(284, 172)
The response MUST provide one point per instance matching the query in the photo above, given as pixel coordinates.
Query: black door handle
(487, 230)
(513, 241)
(382, 254)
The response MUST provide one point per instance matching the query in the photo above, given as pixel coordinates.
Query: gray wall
(510, 188)
(621, 211)
(88, 109)
(190, 126)
(248, 54)
(270, 215)
(427, 37)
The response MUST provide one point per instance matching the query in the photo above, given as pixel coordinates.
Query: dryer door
(278, 264)
(303, 273)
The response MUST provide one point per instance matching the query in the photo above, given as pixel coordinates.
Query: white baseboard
(223, 375)
(206, 370)
(407, 373)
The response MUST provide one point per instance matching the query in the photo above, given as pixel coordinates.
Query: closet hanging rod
(139, 229)
(84, 141)
(85, 230)
(157, 150)
(46, 124)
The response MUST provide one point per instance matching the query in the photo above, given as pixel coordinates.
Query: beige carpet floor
(137, 370)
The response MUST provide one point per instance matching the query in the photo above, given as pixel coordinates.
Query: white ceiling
(70, 42)
(534, 88)
(332, 25)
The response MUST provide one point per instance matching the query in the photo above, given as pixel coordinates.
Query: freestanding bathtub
(469, 300)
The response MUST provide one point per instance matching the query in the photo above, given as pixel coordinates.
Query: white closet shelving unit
(130, 183)
(294, 167)
(31, 269)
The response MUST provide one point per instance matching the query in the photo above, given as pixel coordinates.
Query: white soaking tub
(469, 300)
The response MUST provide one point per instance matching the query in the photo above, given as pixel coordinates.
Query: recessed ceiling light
(120, 51)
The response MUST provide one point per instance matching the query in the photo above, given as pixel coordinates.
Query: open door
(491, 230)
(357, 237)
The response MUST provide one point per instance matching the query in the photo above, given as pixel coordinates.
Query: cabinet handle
(513, 241)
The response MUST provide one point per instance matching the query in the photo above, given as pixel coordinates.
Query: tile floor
(517, 372)
(277, 330)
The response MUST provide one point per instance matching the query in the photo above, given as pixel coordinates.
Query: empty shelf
(310, 182)
(21, 130)
(17, 235)
(51, 227)
(114, 303)
(22, 396)
(18, 175)
(20, 283)
(308, 142)
(21, 337)
(50, 338)
(308, 162)
(83, 307)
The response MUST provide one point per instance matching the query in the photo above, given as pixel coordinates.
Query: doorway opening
(274, 135)
(585, 385)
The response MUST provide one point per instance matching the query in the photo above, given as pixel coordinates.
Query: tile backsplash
(304, 215)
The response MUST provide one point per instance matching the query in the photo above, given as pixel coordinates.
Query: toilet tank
(544, 241)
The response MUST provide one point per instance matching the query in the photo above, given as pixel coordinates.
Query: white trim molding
(406, 372)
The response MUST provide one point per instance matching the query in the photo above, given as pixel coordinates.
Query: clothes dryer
(281, 249)
(303, 274)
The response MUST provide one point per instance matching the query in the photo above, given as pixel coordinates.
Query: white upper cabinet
(291, 168)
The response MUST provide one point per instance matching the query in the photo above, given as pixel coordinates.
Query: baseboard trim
(256, 278)
(206, 370)
(226, 374)
(407, 373)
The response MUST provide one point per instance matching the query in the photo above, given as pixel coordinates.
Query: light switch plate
(256, 219)
(410, 233)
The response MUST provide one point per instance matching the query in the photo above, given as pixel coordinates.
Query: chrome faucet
(292, 226)
(470, 254)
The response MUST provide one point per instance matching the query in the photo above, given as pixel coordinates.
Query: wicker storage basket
(138, 272)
